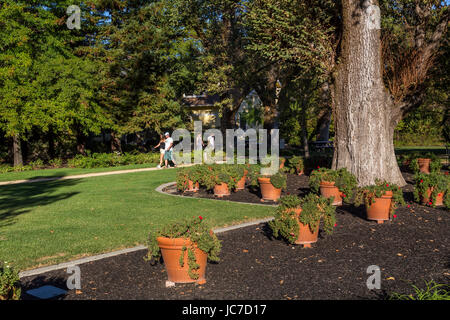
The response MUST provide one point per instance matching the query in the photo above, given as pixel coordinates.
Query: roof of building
(200, 100)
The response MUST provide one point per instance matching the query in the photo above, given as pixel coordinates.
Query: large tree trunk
(17, 151)
(364, 121)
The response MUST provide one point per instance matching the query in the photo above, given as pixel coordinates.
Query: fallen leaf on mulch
(281, 281)
(245, 250)
(78, 292)
(390, 278)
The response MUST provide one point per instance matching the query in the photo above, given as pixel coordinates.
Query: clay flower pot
(241, 183)
(379, 210)
(305, 236)
(221, 190)
(171, 252)
(268, 191)
(192, 187)
(426, 198)
(424, 165)
(327, 190)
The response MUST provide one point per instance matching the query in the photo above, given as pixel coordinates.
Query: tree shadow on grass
(18, 199)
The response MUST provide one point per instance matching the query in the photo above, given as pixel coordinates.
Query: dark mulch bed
(295, 185)
(411, 248)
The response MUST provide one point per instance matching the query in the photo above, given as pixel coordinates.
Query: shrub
(197, 232)
(278, 180)
(314, 209)
(368, 194)
(37, 164)
(9, 283)
(295, 164)
(55, 163)
(435, 164)
(440, 183)
(194, 174)
(343, 180)
(215, 174)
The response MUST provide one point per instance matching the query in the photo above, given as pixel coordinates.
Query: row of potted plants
(186, 246)
(222, 179)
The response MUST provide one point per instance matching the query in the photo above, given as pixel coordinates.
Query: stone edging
(65, 265)
(161, 187)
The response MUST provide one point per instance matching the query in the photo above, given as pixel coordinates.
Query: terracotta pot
(171, 252)
(268, 191)
(305, 235)
(424, 165)
(221, 190)
(241, 183)
(328, 190)
(426, 198)
(192, 187)
(379, 210)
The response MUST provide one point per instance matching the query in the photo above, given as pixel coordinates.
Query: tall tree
(366, 112)
(371, 89)
(145, 57)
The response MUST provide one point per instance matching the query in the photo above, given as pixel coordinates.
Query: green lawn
(62, 172)
(50, 222)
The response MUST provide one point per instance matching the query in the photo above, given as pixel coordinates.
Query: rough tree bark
(17, 151)
(363, 108)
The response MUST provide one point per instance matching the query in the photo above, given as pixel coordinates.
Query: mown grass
(43, 223)
(62, 172)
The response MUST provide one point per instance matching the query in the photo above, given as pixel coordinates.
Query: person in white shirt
(168, 154)
(210, 146)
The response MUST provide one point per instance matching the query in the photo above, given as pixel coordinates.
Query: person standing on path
(162, 150)
(210, 146)
(168, 154)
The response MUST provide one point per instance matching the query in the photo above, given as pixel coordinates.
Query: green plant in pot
(339, 184)
(380, 200)
(432, 189)
(296, 165)
(9, 282)
(189, 178)
(271, 186)
(237, 172)
(425, 163)
(185, 246)
(219, 177)
(297, 220)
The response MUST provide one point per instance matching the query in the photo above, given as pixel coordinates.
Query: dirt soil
(409, 249)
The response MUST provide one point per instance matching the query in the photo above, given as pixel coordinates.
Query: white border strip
(161, 187)
(64, 265)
